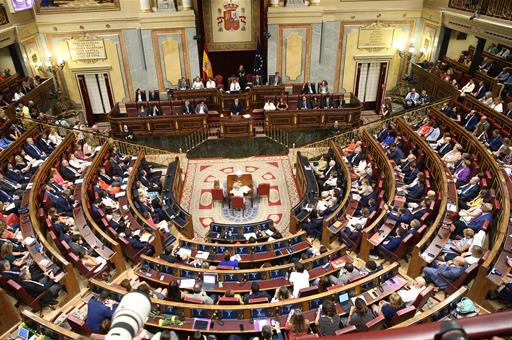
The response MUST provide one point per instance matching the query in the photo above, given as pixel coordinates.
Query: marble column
(145, 5)
(186, 4)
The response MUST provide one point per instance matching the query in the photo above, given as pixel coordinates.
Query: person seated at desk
(327, 319)
(210, 83)
(308, 88)
(155, 111)
(411, 99)
(187, 107)
(142, 111)
(98, 309)
(153, 95)
(140, 96)
(323, 87)
(281, 104)
(304, 104)
(476, 223)
(275, 80)
(257, 81)
(227, 260)
(45, 284)
(410, 292)
(201, 108)
(327, 102)
(183, 84)
(256, 293)
(450, 271)
(389, 309)
(197, 84)
(239, 190)
(269, 105)
(313, 226)
(359, 314)
(345, 274)
(199, 293)
(237, 107)
(234, 86)
(296, 324)
(390, 244)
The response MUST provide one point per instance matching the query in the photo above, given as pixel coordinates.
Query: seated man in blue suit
(396, 154)
(404, 215)
(416, 191)
(389, 244)
(469, 122)
(476, 223)
(97, 311)
(438, 272)
(33, 150)
(411, 173)
(314, 224)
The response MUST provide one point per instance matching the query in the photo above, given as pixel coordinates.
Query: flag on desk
(207, 65)
(258, 61)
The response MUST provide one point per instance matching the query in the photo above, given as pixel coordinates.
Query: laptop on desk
(345, 301)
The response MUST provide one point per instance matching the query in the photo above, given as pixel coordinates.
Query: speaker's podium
(236, 126)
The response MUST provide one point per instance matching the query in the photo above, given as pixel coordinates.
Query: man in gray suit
(438, 273)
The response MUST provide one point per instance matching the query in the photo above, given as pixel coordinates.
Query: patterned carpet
(201, 173)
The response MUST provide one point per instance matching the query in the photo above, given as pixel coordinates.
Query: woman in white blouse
(323, 88)
(269, 105)
(197, 84)
(78, 163)
(453, 156)
(468, 88)
(210, 84)
(234, 86)
(54, 137)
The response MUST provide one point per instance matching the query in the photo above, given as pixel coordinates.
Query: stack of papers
(249, 235)
(202, 255)
(184, 251)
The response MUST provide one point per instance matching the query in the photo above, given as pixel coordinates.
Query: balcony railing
(494, 8)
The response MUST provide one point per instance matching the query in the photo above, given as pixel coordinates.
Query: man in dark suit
(237, 107)
(404, 215)
(137, 244)
(68, 172)
(438, 272)
(327, 102)
(9, 273)
(468, 191)
(187, 108)
(389, 244)
(396, 154)
(97, 311)
(154, 95)
(496, 141)
(44, 285)
(155, 111)
(446, 147)
(241, 74)
(140, 95)
(143, 112)
(16, 175)
(314, 224)
(256, 293)
(470, 121)
(11, 186)
(33, 150)
(479, 90)
(304, 104)
(275, 80)
(355, 157)
(411, 174)
(349, 235)
(257, 80)
(308, 88)
(415, 191)
(117, 170)
(417, 213)
(508, 113)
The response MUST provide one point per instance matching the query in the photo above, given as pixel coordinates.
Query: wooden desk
(236, 127)
(245, 179)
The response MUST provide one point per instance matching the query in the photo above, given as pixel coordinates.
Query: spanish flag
(207, 66)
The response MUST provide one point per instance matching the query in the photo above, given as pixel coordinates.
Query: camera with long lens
(130, 316)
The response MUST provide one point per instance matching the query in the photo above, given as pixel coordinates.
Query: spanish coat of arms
(233, 17)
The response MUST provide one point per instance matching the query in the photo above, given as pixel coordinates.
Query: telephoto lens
(130, 316)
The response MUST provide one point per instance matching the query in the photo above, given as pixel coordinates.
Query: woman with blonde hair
(389, 309)
(453, 156)
(296, 324)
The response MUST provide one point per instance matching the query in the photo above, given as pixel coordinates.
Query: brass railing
(493, 8)
(277, 135)
(97, 139)
(196, 138)
(345, 137)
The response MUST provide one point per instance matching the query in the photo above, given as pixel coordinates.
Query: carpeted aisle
(275, 170)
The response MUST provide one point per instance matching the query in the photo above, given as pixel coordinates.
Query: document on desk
(203, 255)
(184, 251)
(187, 283)
(258, 324)
(249, 235)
